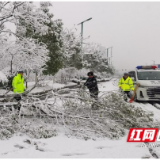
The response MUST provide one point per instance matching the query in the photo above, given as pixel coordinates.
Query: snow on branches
(71, 43)
(94, 58)
(73, 112)
(45, 5)
(111, 119)
(24, 54)
(3, 77)
(23, 12)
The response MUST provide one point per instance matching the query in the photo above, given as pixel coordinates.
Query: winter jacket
(18, 84)
(126, 84)
(91, 84)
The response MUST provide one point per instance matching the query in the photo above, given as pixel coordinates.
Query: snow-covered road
(63, 147)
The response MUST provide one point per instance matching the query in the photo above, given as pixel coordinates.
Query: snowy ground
(63, 147)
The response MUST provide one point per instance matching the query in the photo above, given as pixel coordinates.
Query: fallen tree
(44, 118)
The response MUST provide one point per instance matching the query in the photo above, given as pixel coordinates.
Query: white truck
(148, 78)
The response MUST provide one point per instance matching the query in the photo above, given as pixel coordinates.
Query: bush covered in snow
(3, 77)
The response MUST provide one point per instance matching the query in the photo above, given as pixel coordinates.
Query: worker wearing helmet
(18, 83)
(126, 84)
(18, 87)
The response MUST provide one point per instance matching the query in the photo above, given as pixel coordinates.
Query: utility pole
(11, 64)
(109, 60)
(81, 23)
(111, 56)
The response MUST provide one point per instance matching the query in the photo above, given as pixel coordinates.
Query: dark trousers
(94, 94)
(18, 98)
(128, 94)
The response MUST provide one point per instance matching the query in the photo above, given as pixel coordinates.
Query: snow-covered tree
(52, 39)
(94, 58)
(23, 53)
(71, 49)
(26, 12)
(54, 44)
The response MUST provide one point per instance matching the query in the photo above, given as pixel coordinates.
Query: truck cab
(149, 79)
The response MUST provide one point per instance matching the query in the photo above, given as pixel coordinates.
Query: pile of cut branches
(75, 115)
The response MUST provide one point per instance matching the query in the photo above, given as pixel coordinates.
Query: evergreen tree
(54, 45)
(53, 41)
(72, 50)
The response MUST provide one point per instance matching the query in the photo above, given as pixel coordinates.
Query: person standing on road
(18, 86)
(18, 83)
(126, 84)
(91, 84)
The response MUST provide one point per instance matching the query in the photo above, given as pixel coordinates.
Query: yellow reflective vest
(18, 84)
(126, 85)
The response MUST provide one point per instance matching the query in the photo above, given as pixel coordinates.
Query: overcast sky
(132, 28)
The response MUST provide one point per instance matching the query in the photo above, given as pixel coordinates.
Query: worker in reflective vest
(18, 83)
(126, 84)
(18, 87)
